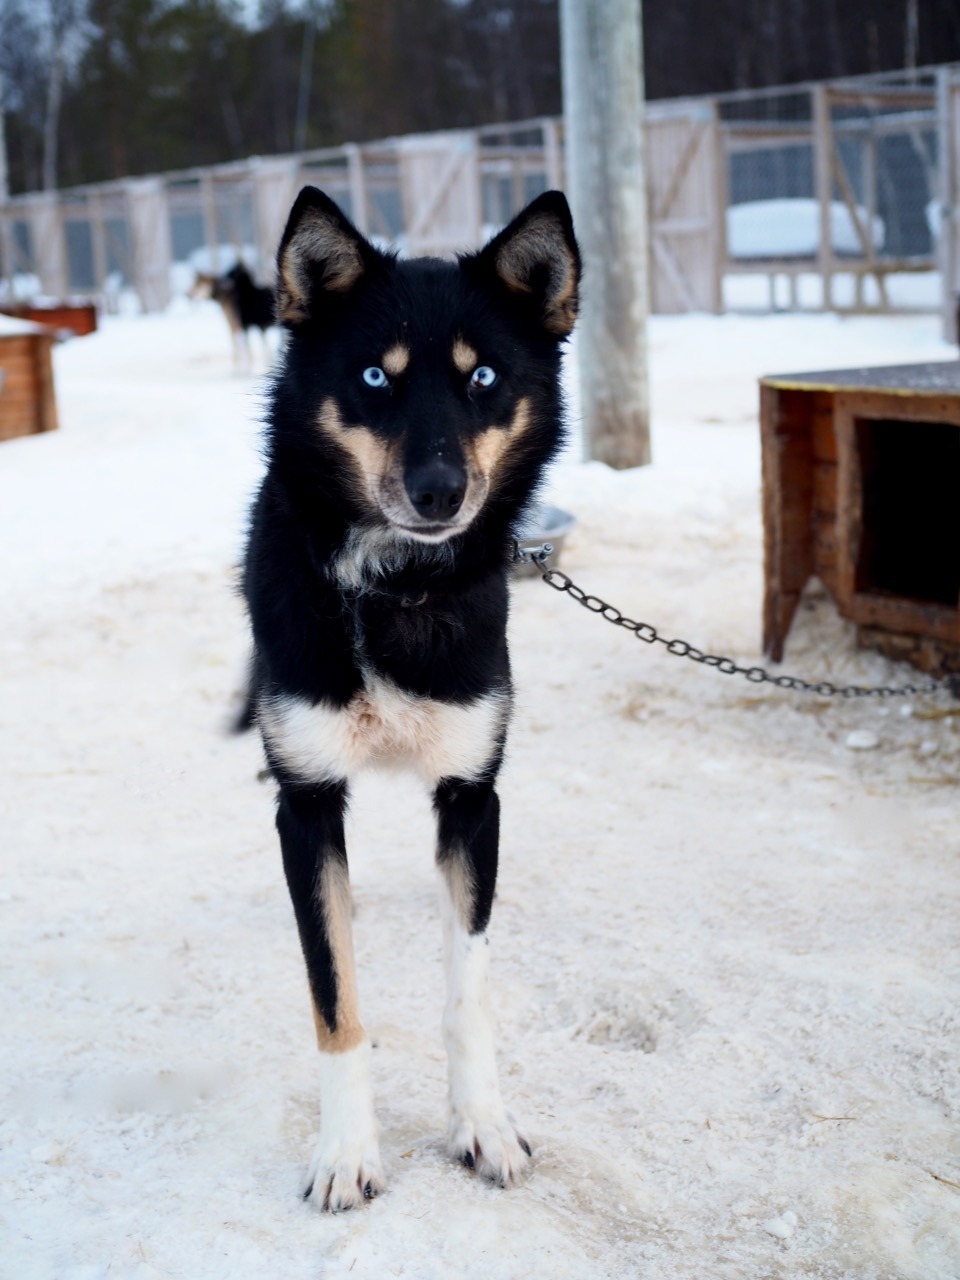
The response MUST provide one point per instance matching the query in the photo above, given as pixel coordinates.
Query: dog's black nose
(436, 489)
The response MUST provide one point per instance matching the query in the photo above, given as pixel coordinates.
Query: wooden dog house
(861, 487)
(27, 403)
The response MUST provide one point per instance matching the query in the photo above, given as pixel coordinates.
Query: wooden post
(358, 188)
(211, 232)
(149, 216)
(721, 189)
(552, 158)
(98, 239)
(602, 56)
(823, 182)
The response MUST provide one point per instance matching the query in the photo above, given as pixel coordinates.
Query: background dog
(414, 412)
(245, 304)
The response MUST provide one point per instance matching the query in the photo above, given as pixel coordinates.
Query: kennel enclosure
(861, 487)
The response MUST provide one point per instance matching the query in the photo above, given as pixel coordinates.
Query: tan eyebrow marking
(396, 360)
(464, 356)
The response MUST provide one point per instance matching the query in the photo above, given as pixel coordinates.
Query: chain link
(649, 634)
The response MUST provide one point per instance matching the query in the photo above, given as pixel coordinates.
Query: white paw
(343, 1174)
(345, 1169)
(489, 1142)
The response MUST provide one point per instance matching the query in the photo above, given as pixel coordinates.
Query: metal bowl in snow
(543, 524)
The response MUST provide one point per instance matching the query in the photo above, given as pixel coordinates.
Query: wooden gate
(440, 179)
(686, 202)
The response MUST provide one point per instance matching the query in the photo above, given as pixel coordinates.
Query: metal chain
(682, 649)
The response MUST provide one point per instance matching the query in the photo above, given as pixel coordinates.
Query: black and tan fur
(245, 304)
(417, 405)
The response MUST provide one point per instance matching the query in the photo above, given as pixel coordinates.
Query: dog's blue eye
(375, 377)
(483, 376)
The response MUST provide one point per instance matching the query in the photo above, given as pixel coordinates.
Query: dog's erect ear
(536, 256)
(321, 252)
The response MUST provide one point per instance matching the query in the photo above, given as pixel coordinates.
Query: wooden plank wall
(27, 404)
(823, 514)
(787, 510)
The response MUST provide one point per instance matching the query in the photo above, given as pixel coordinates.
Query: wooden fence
(825, 196)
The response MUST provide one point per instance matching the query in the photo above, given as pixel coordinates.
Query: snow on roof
(11, 327)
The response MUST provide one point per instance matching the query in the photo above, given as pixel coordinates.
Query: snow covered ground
(725, 943)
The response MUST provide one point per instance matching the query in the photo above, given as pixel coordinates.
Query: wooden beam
(865, 237)
(358, 188)
(786, 454)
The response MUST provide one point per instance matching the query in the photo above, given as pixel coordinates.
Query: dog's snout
(436, 489)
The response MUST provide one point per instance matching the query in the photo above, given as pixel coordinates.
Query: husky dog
(414, 411)
(245, 304)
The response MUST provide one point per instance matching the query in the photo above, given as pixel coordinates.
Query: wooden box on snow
(77, 318)
(27, 403)
(861, 487)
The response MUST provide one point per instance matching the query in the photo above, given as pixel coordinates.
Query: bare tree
(4, 170)
(912, 34)
(306, 73)
(65, 25)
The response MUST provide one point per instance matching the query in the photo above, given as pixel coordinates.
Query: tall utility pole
(602, 51)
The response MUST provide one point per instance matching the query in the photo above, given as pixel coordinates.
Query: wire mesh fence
(834, 195)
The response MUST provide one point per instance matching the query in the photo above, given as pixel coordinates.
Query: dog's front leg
(481, 1134)
(346, 1164)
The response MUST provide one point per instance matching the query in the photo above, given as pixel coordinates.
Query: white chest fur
(381, 726)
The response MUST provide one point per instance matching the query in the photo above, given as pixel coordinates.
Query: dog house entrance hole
(910, 530)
